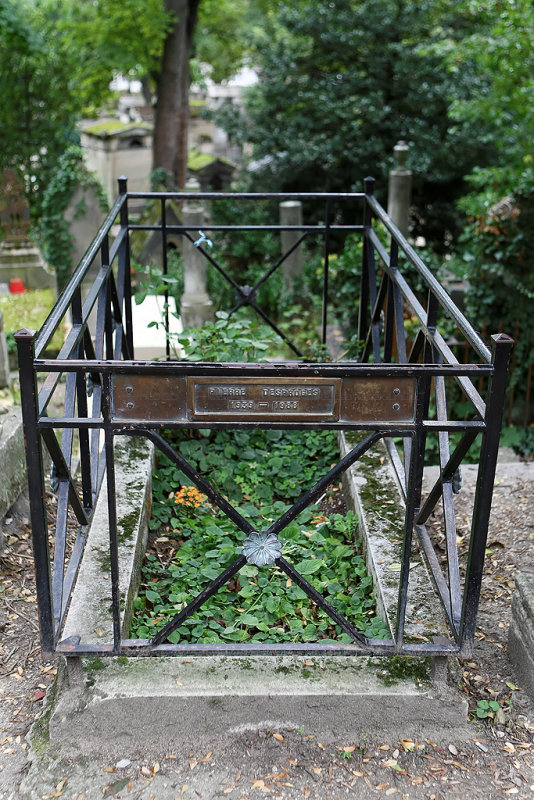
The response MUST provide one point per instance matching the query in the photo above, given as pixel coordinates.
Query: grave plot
(388, 398)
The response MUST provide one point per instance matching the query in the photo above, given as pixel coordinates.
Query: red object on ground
(16, 286)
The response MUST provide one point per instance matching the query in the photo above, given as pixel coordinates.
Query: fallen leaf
(278, 737)
(383, 747)
(178, 683)
(408, 744)
(316, 770)
(453, 750)
(59, 789)
(320, 746)
(349, 749)
(306, 791)
(391, 791)
(513, 687)
(292, 762)
(261, 785)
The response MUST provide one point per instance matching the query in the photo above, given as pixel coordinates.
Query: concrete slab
(149, 343)
(157, 703)
(521, 633)
(89, 614)
(372, 490)
(12, 457)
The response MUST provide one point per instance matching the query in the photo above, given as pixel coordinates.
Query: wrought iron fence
(397, 392)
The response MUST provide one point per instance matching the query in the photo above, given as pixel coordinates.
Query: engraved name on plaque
(252, 398)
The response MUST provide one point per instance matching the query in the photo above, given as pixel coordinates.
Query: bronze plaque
(380, 399)
(177, 398)
(154, 398)
(305, 399)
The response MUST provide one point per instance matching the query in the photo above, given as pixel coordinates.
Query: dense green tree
(341, 81)
(37, 112)
(496, 250)
(153, 40)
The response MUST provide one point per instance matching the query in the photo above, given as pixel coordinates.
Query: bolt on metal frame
(103, 366)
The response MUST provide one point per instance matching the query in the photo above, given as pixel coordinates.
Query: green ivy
(56, 240)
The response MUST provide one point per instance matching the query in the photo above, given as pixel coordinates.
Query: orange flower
(190, 497)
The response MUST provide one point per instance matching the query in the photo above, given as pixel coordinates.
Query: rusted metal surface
(194, 398)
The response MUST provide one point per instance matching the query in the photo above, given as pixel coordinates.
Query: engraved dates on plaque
(253, 398)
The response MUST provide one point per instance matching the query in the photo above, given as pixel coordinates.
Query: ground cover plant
(259, 472)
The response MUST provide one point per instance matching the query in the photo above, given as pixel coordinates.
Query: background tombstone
(19, 257)
(291, 214)
(196, 307)
(400, 189)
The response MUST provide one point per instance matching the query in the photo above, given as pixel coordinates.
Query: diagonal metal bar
(57, 457)
(199, 600)
(447, 471)
(60, 538)
(448, 505)
(323, 604)
(440, 582)
(275, 328)
(279, 262)
(72, 569)
(316, 491)
(211, 260)
(375, 319)
(213, 495)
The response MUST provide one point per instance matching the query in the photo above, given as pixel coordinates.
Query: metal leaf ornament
(261, 548)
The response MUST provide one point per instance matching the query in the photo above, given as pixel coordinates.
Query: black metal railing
(398, 391)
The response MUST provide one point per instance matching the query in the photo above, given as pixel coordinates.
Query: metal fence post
(400, 189)
(34, 458)
(501, 347)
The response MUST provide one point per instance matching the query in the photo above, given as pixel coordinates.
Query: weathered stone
(12, 458)
(4, 356)
(521, 633)
(90, 606)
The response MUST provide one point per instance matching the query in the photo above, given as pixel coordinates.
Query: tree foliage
(37, 112)
(341, 82)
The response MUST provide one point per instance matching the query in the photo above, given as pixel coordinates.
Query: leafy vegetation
(56, 239)
(258, 471)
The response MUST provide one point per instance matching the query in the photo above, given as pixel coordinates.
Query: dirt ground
(495, 760)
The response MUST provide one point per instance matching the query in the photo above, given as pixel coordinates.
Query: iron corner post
(501, 349)
(124, 267)
(25, 340)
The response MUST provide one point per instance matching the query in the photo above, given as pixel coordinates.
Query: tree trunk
(172, 107)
